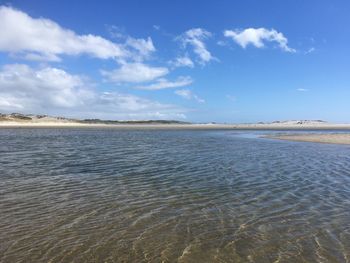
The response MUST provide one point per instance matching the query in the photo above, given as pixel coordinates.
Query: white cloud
(54, 91)
(188, 94)
(40, 57)
(302, 90)
(22, 86)
(134, 73)
(43, 39)
(310, 50)
(185, 93)
(166, 84)
(195, 37)
(139, 48)
(115, 105)
(144, 47)
(222, 43)
(183, 61)
(257, 36)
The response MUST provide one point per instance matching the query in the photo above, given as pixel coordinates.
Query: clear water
(89, 195)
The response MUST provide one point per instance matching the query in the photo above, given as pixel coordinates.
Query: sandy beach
(318, 138)
(205, 126)
(18, 120)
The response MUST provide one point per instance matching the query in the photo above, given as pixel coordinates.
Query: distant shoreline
(19, 120)
(269, 126)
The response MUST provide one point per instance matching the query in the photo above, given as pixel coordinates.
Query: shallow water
(90, 195)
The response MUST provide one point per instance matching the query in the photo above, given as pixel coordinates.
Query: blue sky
(201, 61)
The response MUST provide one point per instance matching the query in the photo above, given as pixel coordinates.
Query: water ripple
(81, 195)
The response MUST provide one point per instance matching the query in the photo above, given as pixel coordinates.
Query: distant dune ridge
(19, 119)
(24, 118)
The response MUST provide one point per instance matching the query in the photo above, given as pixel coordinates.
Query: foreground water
(89, 195)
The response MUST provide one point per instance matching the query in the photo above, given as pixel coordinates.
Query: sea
(111, 195)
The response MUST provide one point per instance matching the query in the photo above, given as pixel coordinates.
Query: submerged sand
(335, 138)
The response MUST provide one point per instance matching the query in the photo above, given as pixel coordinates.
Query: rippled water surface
(89, 195)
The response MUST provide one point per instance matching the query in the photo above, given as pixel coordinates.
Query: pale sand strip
(272, 126)
(319, 138)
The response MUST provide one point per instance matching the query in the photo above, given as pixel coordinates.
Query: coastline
(268, 126)
(320, 137)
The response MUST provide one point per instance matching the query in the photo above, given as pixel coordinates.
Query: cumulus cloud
(43, 39)
(257, 37)
(183, 61)
(134, 73)
(166, 84)
(22, 87)
(54, 91)
(188, 94)
(195, 37)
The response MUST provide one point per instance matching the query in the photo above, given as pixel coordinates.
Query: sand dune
(21, 120)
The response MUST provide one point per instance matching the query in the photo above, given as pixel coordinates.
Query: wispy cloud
(134, 73)
(188, 95)
(257, 37)
(310, 50)
(183, 61)
(139, 48)
(302, 90)
(222, 43)
(195, 37)
(144, 47)
(166, 84)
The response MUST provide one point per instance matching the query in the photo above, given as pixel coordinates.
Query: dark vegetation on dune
(29, 117)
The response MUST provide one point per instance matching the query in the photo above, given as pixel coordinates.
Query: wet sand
(318, 138)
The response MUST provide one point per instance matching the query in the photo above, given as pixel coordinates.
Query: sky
(199, 61)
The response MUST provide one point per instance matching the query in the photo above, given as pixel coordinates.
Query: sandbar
(333, 138)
